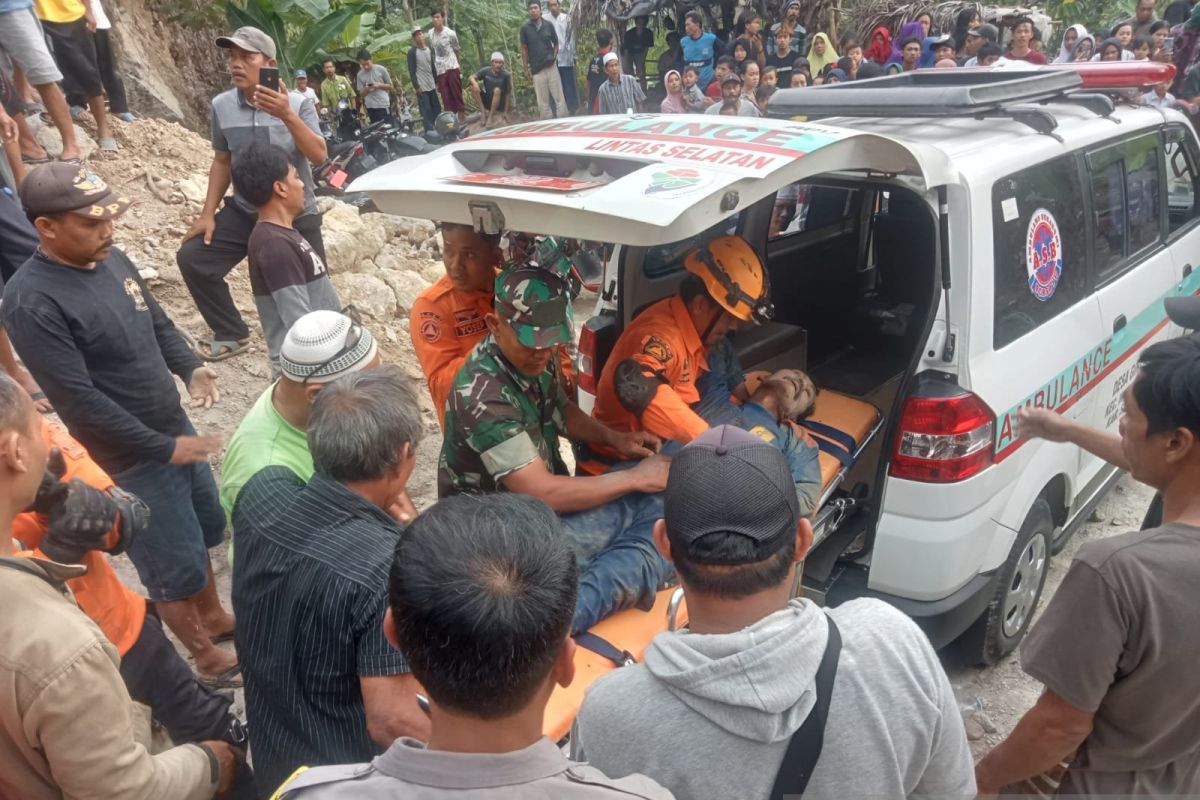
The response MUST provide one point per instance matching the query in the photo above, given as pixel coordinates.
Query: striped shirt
(617, 98)
(309, 592)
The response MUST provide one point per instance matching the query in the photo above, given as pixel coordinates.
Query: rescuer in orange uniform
(152, 669)
(649, 381)
(447, 319)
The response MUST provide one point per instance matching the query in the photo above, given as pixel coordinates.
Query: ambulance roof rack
(935, 93)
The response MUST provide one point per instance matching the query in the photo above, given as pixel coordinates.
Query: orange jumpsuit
(445, 325)
(662, 341)
(112, 605)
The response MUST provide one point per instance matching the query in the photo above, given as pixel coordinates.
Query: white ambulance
(981, 242)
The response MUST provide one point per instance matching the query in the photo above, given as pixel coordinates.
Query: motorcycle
(376, 144)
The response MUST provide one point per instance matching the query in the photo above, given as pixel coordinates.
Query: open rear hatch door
(636, 180)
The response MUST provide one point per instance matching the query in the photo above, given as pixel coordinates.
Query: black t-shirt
(103, 351)
(491, 82)
(540, 41)
(635, 43)
(783, 67)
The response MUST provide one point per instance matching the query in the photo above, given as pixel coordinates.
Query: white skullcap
(497, 56)
(610, 57)
(315, 347)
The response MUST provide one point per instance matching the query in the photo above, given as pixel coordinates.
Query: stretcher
(844, 426)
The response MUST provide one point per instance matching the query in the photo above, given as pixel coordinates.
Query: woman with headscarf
(673, 103)
(821, 53)
(749, 28)
(1187, 50)
(911, 30)
(879, 48)
(1084, 49)
(742, 51)
(966, 19)
(1071, 38)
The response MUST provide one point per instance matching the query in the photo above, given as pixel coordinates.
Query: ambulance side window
(1183, 178)
(1126, 194)
(803, 207)
(1040, 247)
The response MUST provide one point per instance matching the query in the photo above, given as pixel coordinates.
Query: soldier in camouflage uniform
(504, 419)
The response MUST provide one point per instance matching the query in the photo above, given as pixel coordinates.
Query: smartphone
(1169, 44)
(269, 77)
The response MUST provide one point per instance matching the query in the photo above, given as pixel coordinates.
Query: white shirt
(1152, 99)
(444, 46)
(102, 21)
(310, 94)
(566, 38)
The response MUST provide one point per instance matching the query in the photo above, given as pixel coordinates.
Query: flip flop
(229, 679)
(108, 146)
(218, 350)
(77, 161)
(221, 638)
(34, 161)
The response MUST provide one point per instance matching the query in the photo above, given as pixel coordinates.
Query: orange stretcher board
(632, 630)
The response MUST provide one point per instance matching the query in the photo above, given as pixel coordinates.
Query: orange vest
(445, 325)
(663, 340)
(111, 604)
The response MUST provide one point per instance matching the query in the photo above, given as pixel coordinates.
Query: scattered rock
(985, 722)
(148, 273)
(194, 189)
(48, 137)
(1095, 516)
(432, 271)
(975, 730)
(406, 284)
(367, 293)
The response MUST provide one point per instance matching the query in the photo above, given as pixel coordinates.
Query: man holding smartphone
(374, 87)
(249, 112)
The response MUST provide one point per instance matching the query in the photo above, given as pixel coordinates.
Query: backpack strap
(804, 749)
(603, 647)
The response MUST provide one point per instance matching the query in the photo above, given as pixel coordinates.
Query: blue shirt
(702, 54)
(14, 5)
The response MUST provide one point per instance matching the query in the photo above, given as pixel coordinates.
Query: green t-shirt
(263, 439)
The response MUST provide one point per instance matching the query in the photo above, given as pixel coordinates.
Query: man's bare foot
(33, 151)
(214, 660)
(70, 154)
(39, 397)
(218, 625)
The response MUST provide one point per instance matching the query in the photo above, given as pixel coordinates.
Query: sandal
(79, 114)
(218, 350)
(221, 638)
(229, 679)
(30, 161)
(108, 146)
(77, 161)
(40, 397)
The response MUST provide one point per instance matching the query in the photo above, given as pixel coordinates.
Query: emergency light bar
(1100, 75)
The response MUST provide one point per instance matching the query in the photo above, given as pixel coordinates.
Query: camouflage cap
(536, 301)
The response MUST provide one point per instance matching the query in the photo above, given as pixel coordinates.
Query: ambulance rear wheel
(1018, 591)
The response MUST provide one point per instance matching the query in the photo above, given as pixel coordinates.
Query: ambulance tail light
(587, 377)
(944, 439)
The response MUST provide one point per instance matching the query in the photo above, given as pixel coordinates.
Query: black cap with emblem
(61, 188)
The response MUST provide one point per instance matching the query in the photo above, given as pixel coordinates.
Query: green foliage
(301, 28)
(1095, 15)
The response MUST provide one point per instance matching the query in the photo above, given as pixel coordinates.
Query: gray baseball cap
(249, 39)
(985, 31)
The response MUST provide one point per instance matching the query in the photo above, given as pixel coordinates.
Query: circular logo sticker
(1043, 254)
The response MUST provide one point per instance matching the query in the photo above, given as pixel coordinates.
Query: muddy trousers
(619, 566)
(204, 266)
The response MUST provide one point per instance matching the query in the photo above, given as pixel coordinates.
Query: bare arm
(218, 182)
(583, 427)
(1039, 423)
(310, 142)
(392, 711)
(1047, 735)
(565, 494)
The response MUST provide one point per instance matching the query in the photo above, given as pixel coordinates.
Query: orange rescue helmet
(734, 276)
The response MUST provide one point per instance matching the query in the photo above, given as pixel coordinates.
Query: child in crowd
(692, 96)
(770, 77)
(725, 67)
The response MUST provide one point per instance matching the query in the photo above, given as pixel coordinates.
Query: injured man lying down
(772, 413)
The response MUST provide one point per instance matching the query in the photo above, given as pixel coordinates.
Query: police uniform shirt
(410, 771)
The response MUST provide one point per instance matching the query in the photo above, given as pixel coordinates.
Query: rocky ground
(379, 264)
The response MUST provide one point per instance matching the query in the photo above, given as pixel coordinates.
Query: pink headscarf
(673, 103)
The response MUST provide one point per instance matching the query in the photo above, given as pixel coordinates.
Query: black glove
(80, 520)
(51, 490)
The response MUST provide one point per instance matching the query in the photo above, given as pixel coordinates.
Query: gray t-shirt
(377, 98)
(236, 125)
(1120, 639)
(424, 76)
(746, 108)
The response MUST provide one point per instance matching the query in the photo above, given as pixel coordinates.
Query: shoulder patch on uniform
(762, 432)
(657, 349)
(430, 325)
